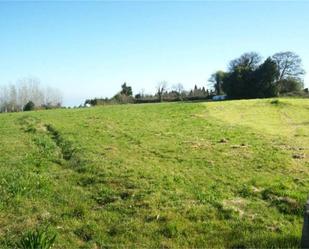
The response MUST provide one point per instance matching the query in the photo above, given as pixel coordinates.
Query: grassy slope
(225, 174)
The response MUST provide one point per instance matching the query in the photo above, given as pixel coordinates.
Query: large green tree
(216, 80)
(264, 83)
(237, 83)
(248, 78)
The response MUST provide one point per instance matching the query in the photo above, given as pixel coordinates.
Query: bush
(275, 102)
(29, 106)
(38, 239)
(122, 99)
(290, 85)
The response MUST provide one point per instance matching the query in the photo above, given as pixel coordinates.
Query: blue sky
(88, 49)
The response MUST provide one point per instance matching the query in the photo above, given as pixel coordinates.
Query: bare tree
(179, 89)
(53, 97)
(289, 66)
(13, 107)
(247, 60)
(15, 97)
(161, 88)
(142, 92)
(23, 94)
(3, 99)
(29, 90)
(35, 92)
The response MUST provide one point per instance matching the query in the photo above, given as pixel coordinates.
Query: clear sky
(88, 49)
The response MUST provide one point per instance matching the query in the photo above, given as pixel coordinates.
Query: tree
(264, 81)
(204, 91)
(249, 61)
(15, 97)
(217, 80)
(248, 81)
(289, 66)
(126, 90)
(29, 106)
(138, 96)
(290, 85)
(179, 89)
(161, 88)
(124, 96)
(30, 89)
(236, 83)
(4, 99)
(123, 99)
(52, 97)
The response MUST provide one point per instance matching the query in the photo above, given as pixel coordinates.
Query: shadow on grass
(272, 241)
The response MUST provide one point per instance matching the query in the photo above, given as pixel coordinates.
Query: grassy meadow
(232, 174)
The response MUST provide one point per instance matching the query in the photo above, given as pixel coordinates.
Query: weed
(275, 102)
(41, 238)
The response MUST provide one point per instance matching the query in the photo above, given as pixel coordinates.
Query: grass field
(174, 175)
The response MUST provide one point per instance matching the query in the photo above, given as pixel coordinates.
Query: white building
(219, 97)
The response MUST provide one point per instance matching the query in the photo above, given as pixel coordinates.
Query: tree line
(163, 93)
(28, 94)
(247, 77)
(250, 77)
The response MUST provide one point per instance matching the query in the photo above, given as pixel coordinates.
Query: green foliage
(290, 85)
(264, 83)
(123, 99)
(275, 102)
(29, 106)
(38, 239)
(217, 81)
(126, 90)
(247, 78)
(247, 61)
(125, 96)
(237, 83)
(248, 81)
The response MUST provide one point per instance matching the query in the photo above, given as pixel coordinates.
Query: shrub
(275, 102)
(290, 85)
(38, 239)
(29, 106)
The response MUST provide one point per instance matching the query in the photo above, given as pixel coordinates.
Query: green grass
(173, 175)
